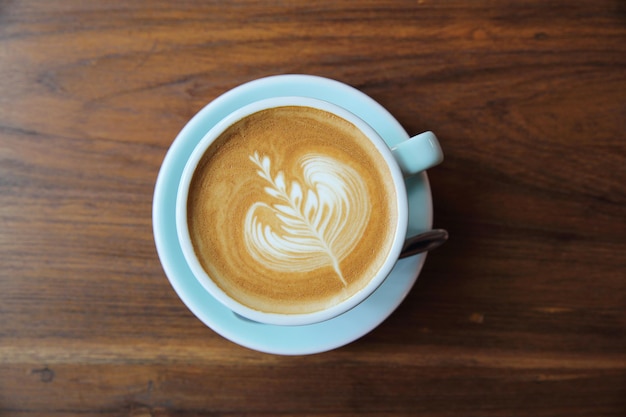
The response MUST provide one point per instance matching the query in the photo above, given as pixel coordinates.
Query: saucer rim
(243, 334)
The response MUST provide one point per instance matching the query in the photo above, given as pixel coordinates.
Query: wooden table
(522, 312)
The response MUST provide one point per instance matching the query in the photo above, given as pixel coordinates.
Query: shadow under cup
(292, 233)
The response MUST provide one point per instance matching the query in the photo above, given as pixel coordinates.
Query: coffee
(292, 210)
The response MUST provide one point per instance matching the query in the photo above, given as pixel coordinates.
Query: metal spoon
(424, 242)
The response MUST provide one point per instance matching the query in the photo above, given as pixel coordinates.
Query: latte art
(291, 210)
(309, 222)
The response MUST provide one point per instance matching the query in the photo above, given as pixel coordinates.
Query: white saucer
(285, 340)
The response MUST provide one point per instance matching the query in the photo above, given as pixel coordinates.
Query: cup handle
(418, 153)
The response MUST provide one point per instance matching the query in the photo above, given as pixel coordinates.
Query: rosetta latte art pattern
(309, 222)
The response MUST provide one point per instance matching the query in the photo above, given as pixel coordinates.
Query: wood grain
(521, 313)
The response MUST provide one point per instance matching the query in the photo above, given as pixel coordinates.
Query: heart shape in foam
(309, 222)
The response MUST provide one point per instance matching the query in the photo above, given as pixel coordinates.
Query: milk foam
(315, 219)
(292, 210)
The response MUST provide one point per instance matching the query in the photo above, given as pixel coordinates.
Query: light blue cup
(405, 159)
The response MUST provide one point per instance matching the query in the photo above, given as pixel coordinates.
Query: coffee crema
(292, 210)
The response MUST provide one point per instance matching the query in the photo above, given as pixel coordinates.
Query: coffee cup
(293, 210)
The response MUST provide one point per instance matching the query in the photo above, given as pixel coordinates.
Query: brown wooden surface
(521, 313)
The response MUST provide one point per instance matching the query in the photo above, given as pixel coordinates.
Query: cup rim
(203, 277)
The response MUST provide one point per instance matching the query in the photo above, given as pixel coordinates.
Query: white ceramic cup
(407, 158)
